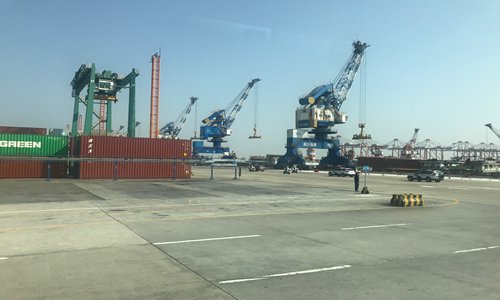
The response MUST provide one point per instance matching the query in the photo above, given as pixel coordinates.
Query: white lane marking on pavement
(48, 210)
(241, 280)
(2, 258)
(286, 274)
(428, 186)
(374, 226)
(476, 249)
(207, 240)
(365, 195)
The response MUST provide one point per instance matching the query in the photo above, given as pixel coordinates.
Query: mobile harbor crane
(217, 125)
(407, 150)
(172, 129)
(319, 112)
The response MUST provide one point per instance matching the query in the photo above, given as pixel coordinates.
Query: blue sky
(432, 65)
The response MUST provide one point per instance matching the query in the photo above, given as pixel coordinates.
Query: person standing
(356, 181)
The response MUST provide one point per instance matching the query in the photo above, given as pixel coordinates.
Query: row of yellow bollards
(407, 200)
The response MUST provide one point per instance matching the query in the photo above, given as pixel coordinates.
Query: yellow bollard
(407, 200)
(404, 203)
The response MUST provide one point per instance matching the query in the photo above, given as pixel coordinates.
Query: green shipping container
(33, 145)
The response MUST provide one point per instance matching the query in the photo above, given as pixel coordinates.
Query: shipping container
(390, 164)
(124, 147)
(131, 170)
(33, 145)
(32, 169)
(23, 130)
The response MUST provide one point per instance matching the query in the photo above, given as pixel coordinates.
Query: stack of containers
(38, 150)
(130, 148)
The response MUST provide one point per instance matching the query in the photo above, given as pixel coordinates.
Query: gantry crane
(320, 111)
(217, 125)
(172, 129)
(407, 150)
(495, 131)
(103, 87)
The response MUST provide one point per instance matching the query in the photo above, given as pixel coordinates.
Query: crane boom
(237, 103)
(172, 129)
(332, 95)
(495, 131)
(414, 137)
(224, 118)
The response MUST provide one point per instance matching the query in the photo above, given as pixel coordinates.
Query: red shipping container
(23, 130)
(132, 170)
(124, 147)
(32, 169)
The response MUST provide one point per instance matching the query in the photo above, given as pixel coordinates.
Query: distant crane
(320, 111)
(495, 131)
(407, 150)
(172, 129)
(217, 125)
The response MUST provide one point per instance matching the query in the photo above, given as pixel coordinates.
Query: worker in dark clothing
(356, 181)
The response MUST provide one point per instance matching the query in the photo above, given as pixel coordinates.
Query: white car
(342, 172)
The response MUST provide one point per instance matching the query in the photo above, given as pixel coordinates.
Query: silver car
(342, 172)
(427, 175)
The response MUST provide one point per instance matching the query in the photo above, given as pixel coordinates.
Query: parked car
(427, 175)
(342, 172)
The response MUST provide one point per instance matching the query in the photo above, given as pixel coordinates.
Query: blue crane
(172, 129)
(319, 112)
(217, 125)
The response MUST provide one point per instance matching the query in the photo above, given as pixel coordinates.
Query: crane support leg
(333, 159)
(90, 103)
(76, 112)
(290, 158)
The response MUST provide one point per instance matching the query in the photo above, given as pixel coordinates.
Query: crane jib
(334, 94)
(172, 129)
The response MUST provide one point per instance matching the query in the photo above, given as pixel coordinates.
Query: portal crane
(217, 125)
(407, 150)
(172, 129)
(320, 111)
(495, 131)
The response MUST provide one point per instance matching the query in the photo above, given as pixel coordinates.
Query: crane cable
(195, 119)
(362, 93)
(256, 96)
